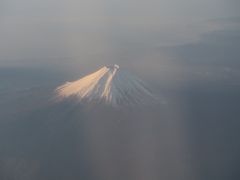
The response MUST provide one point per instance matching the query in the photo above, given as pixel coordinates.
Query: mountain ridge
(110, 85)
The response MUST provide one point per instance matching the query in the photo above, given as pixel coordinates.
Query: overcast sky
(92, 31)
(73, 10)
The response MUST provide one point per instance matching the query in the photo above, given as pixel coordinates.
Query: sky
(96, 32)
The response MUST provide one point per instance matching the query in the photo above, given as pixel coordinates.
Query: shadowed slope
(109, 85)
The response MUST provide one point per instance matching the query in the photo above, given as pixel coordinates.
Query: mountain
(110, 85)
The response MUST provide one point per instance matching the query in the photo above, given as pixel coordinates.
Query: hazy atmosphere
(187, 52)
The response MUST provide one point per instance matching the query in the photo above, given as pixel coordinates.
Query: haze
(187, 51)
(51, 32)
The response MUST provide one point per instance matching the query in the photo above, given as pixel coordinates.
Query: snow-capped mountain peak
(110, 85)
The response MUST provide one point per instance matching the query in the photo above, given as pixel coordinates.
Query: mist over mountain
(192, 134)
(45, 139)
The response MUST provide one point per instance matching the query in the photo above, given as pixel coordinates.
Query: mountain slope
(110, 85)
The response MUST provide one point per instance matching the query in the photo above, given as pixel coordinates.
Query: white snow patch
(110, 85)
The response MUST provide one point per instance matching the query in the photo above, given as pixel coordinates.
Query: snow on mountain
(110, 85)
